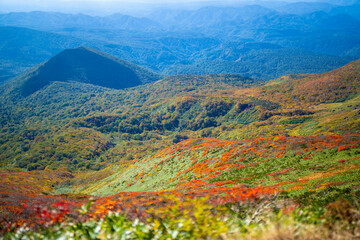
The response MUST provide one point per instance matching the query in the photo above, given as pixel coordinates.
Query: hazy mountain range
(294, 38)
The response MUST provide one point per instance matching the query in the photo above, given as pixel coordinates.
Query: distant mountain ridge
(254, 41)
(306, 7)
(85, 65)
(55, 20)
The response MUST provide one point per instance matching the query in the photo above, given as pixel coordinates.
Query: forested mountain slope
(174, 108)
(219, 141)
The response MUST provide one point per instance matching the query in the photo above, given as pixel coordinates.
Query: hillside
(177, 150)
(321, 104)
(334, 86)
(222, 106)
(201, 164)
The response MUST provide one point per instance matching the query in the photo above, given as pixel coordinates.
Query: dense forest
(179, 138)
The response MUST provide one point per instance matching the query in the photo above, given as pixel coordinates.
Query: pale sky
(104, 7)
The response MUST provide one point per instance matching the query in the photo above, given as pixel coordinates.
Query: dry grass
(281, 231)
(341, 222)
(295, 231)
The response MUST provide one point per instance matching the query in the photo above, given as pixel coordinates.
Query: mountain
(252, 40)
(57, 21)
(248, 59)
(352, 10)
(306, 7)
(97, 147)
(211, 20)
(85, 65)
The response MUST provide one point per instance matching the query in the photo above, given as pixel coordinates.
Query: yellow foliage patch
(328, 173)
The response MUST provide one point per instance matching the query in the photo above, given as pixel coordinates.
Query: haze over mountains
(258, 41)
